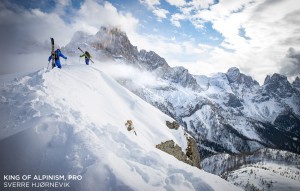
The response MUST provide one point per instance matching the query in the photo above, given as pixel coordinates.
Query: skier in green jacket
(87, 56)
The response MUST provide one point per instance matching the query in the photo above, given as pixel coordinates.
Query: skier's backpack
(56, 57)
(87, 54)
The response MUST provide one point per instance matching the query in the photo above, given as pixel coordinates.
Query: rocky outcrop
(172, 125)
(193, 153)
(173, 149)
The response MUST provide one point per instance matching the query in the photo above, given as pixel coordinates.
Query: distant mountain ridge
(228, 112)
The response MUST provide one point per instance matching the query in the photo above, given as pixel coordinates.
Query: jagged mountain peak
(151, 60)
(296, 83)
(115, 43)
(278, 84)
(110, 30)
(182, 76)
(181, 69)
(275, 78)
(297, 80)
(235, 76)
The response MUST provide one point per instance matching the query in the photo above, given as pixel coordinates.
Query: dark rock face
(193, 152)
(234, 76)
(288, 121)
(182, 76)
(171, 148)
(278, 85)
(172, 125)
(151, 60)
(233, 101)
(296, 83)
(117, 43)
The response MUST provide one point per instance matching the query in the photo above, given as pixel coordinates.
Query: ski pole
(66, 64)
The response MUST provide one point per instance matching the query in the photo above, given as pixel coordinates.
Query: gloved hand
(66, 58)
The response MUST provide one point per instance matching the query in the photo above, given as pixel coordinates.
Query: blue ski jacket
(58, 54)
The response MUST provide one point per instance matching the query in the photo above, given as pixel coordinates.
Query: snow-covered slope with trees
(266, 176)
(71, 121)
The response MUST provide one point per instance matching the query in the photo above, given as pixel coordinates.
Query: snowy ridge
(265, 169)
(222, 163)
(71, 121)
(266, 176)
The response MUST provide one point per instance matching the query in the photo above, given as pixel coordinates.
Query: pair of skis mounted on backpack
(53, 53)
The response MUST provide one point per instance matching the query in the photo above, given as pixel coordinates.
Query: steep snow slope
(71, 121)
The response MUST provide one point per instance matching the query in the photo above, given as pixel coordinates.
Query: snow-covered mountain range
(227, 112)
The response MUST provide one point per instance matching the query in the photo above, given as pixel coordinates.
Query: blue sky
(205, 36)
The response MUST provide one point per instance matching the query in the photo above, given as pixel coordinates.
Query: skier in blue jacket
(57, 54)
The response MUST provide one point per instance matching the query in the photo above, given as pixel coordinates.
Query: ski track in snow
(71, 121)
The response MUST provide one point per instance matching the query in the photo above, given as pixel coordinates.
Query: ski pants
(57, 63)
(87, 61)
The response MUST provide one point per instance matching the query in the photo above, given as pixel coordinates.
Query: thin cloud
(203, 4)
(176, 3)
(161, 13)
(176, 18)
(87, 18)
(290, 65)
(151, 4)
(127, 72)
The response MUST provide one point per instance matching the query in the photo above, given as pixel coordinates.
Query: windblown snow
(71, 121)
